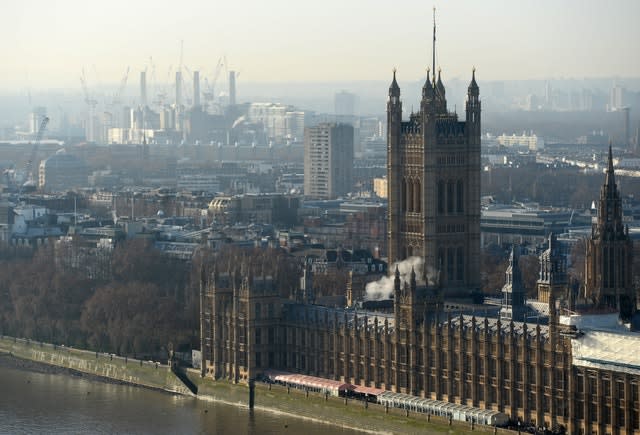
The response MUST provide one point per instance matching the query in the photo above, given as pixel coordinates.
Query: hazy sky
(47, 43)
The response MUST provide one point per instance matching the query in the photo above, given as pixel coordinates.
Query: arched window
(460, 197)
(441, 197)
(417, 196)
(410, 205)
(450, 196)
(403, 198)
(460, 264)
(450, 266)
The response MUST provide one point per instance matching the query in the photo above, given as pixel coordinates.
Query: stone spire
(427, 89)
(610, 179)
(394, 89)
(473, 88)
(610, 207)
(513, 300)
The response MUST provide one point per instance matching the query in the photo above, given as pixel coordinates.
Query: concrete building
(328, 160)
(252, 208)
(380, 187)
(178, 89)
(281, 123)
(345, 103)
(531, 142)
(502, 224)
(35, 118)
(196, 89)
(207, 183)
(143, 88)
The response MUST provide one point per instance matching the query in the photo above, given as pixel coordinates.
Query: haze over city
(48, 43)
(331, 210)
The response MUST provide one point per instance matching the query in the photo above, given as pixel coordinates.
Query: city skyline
(51, 43)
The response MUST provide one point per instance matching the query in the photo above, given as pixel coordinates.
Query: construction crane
(34, 151)
(117, 98)
(91, 103)
(211, 86)
(162, 94)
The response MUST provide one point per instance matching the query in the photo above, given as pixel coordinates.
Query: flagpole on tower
(434, 40)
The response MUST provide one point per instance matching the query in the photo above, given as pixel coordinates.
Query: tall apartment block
(328, 160)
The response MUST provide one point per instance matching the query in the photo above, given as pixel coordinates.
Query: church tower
(608, 262)
(433, 176)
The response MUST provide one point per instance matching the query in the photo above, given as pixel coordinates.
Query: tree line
(147, 302)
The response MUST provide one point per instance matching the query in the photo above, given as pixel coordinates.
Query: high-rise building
(627, 129)
(345, 103)
(196, 88)
(617, 98)
(609, 256)
(433, 173)
(126, 117)
(178, 88)
(143, 88)
(328, 160)
(35, 118)
(232, 88)
(281, 124)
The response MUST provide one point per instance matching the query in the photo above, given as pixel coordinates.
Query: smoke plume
(383, 288)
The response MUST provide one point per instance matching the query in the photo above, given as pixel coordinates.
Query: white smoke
(238, 121)
(383, 288)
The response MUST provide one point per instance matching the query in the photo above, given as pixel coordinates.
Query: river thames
(44, 403)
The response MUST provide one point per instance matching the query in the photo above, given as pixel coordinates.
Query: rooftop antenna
(434, 39)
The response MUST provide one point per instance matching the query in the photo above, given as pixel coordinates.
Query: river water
(41, 403)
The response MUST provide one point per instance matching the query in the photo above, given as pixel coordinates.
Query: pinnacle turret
(610, 180)
(440, 86)
(427, 89)
(473, 89)
(394, 89)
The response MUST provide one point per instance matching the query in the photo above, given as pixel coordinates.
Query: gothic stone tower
(552, 281)
(433, 175)
(609, 253)
(513, 292)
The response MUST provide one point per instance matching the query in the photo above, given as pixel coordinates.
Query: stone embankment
(291, 403)
(148, 374)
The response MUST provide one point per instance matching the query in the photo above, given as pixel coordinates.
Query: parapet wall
(144, 373)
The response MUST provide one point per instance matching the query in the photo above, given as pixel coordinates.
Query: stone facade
(520, 369)
(433, 176)
(528, 371)
(609, 256)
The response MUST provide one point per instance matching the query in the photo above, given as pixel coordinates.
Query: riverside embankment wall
(290, 403)
(145, 373)
(354, 414)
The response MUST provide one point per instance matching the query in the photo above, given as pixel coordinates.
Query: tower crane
(210, 95)
(34, 151)
(91, 103)
(117, 98)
